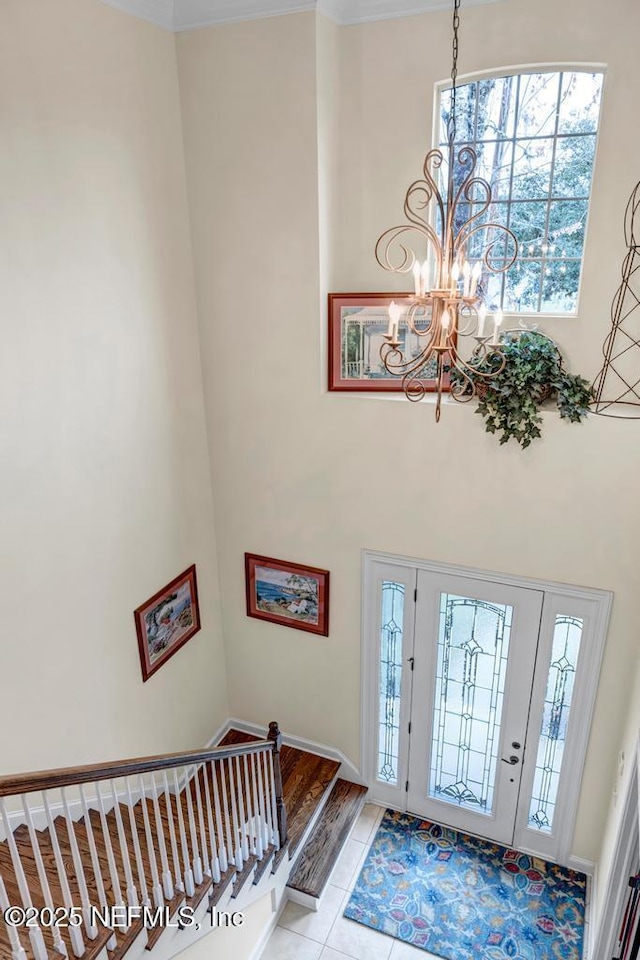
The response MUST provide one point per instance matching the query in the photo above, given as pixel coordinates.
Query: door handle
(512, 760)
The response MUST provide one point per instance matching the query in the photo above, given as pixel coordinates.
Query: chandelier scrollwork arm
(445, 306)
(390, 242)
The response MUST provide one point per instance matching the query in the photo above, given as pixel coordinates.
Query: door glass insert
(473, 646)
(390, 680)
(567, 635)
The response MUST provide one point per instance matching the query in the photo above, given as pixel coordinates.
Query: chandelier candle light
(451, 308)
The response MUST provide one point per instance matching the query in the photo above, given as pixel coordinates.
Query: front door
(477, 692)
(473, 664)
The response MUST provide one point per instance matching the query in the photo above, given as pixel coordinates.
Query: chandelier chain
(454, 70)
(450, 210)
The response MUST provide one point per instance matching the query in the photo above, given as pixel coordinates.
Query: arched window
(535, 136)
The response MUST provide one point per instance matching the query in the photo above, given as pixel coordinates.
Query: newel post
(276, 738)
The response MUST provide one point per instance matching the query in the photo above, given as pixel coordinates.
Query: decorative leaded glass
(390, 680)
(567, 635)
(473, 646)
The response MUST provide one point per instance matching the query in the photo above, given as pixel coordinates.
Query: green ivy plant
(533, 372)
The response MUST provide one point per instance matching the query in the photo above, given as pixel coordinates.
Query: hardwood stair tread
(280, 856)
(306, 777)
(318, 856)
(241, 877)
(219, 888)
(307, 780)
(28, 860)
(265, 864)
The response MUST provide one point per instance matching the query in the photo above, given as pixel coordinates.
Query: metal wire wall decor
(440, 313)
(617, 386)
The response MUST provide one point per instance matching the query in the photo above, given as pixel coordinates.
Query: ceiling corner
(333, 9)
(159, 12)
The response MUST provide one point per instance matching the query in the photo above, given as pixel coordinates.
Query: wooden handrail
(20, 783)
(275, 739)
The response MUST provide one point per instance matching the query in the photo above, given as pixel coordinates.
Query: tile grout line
(348, 893)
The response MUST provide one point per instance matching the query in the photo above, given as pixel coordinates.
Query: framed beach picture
(357, 324)
(166, 621)
(287, 593)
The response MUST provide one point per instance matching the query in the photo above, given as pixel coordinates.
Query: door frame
(593, 605)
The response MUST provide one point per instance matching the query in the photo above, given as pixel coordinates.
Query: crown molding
(193, 14)
(347, 12)
(181, 15)
(160, 12)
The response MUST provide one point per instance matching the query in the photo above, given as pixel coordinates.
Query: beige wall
(301, 138)
(104, 476)
(311, 476)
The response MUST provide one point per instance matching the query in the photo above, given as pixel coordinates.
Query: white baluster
(274, 810)
(77, 941)
(58, 942)
(177, 873)
(267, 794)
(250, 822)
(266, 837)
(95, 862)
(215, 862)
(241, 813)
(132, 893)
(206, 865)
(111, 860)
(189, 884)
(237, 848)
(230, 849)
(167, 880)
(198, 876)
(158, 897)
(81, 880)
(137, 851)
(257, 810)
(17, 950)
(35, 933)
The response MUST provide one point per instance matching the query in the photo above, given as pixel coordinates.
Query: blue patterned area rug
(461, 898)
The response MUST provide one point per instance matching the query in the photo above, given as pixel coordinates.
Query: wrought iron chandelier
(447, 303)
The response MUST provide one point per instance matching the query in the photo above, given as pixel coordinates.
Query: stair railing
(143, 833)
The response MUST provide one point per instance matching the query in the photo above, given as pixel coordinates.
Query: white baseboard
(348, 770)
(582, 865)
(219, 734)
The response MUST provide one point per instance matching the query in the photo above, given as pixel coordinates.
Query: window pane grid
(557, 704)
(545, 157)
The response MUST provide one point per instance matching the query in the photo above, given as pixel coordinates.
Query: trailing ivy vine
(533, 372)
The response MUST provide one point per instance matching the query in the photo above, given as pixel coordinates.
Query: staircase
(127, 858)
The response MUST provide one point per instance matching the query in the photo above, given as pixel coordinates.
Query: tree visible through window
(535, 136)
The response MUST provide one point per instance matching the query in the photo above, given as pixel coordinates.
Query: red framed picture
(290, 594)
(166, 621)
(357, 322)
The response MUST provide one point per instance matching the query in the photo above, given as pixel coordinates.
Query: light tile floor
(303, 934)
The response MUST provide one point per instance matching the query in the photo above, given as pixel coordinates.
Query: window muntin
(567, 635)
(473, 647)
(390, 680)
(535, 136)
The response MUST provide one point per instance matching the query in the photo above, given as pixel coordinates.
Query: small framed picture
(357, 323)
(287, 593)
(166, 621)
